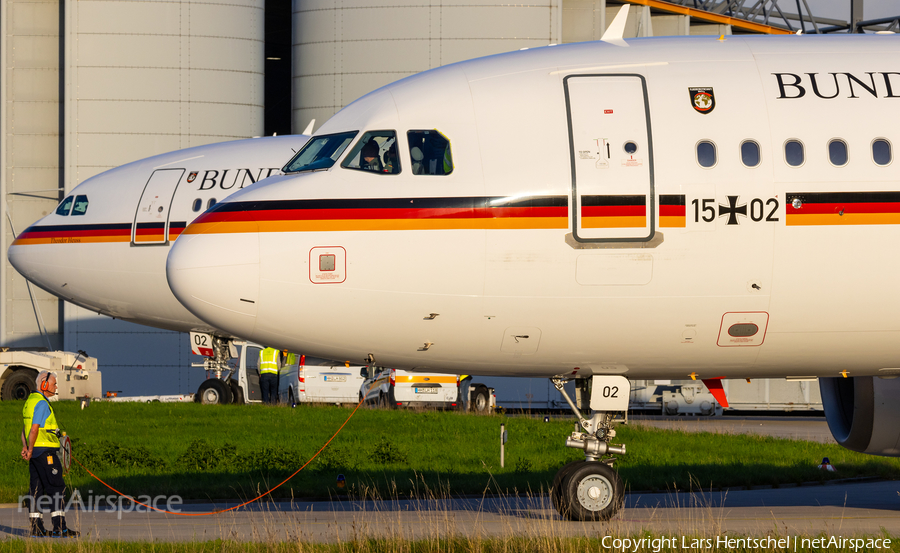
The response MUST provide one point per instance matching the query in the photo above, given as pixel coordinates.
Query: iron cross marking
(732, 210)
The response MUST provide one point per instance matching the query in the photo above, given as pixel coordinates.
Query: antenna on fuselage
(615, 33)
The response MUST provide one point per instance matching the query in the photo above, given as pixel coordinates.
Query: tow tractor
(76, 373)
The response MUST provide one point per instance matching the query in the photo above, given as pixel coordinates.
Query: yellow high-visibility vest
(44, 438)
(268, 361)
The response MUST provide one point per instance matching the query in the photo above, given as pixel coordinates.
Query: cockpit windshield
(65, 206)
(320, 152)
(430, 153)
(376, 151)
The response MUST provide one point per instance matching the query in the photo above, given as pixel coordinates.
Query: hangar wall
(144, 78)
(88, 85)
(30, 170)
(343, 49)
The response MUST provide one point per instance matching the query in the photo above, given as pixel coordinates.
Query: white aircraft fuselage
(105, 247)
(604, 214)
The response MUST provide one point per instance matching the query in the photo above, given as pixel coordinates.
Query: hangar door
(151, 220)
(611, 158)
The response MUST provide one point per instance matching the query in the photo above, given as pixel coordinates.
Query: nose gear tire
(213, 391)
(593, 491)
(557, 495)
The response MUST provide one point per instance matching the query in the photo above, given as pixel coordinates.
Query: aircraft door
(611, 158)
(151, 220)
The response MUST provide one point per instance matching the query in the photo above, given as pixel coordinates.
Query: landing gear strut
(218, 387)
(591, 489)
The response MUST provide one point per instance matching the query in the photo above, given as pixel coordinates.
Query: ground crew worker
(268, 374)
(465, 380)
(40, 445)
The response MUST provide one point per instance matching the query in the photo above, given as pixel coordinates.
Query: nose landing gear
(591, 490)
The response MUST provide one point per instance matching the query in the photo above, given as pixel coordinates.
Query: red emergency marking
(607, 111)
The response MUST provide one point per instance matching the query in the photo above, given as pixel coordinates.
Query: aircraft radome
(105, 246)
(654, 208)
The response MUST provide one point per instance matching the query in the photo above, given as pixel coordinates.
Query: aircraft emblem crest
(702, 99)
(192, 176)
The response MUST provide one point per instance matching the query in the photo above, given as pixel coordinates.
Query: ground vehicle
(76, 373)
(314, 380)
(398, 388)
(482, 398)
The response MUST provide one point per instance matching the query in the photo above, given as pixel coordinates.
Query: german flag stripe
(543, 212)
(96, 233)
(619, 211)
(452, 202)
(613, 222)
(672, 211)
(843, 208)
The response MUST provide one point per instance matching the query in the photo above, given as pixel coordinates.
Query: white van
(314, 380)
(397, 388)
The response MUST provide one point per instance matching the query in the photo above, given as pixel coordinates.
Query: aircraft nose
(33, 260)
(216, 277)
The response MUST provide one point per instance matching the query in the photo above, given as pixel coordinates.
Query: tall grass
(229, 452)
(646, 543)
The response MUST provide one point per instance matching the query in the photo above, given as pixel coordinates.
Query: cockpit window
(320, 152)
(429, 152)
(65, 206)
(376, 151)
(81, 203)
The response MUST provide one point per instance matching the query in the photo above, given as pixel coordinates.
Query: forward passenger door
(611, 154)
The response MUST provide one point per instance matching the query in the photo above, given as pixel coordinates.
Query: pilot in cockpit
(370, 159)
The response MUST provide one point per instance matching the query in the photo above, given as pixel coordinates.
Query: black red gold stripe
(96, 233)
(149, 232)
(537, 212)
(620, 211)
(74, 234)
(671, 210)
(842, 208)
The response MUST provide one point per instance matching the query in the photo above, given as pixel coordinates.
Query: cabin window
(750, 153)
(793, 153)
(210, 203)
(429, 153)
(80, 206)
(320, 152)
(706, 153)
(198, 203)
(375, 152)
(837, 152)
(66, 206)
(881, 152)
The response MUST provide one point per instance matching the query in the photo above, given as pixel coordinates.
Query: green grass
(224, 452)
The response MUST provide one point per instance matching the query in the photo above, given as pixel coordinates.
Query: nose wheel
(588, 491)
